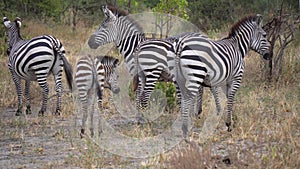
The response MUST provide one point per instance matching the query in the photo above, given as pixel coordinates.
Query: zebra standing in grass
(91, 76)
(33, 60)
(126, 34)
(205, 62)
(155, 58)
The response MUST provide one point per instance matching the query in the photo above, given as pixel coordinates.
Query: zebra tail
(68, 71)
(98, 90)
(67, 66)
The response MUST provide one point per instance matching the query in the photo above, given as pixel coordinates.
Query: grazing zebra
(33, 60)
(155, 58)
(205, 62)
(91, 76)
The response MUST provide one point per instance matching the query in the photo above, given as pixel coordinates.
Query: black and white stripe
(34, 60)
(119, 28)
(155, 59)
(91, 76)
(204, 62)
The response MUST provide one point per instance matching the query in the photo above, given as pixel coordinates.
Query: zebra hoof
(199, 112)
(28, 110)
(18, 113)
(228, 127)
(41, 113)
(57, 112)
(92, 132)
(141, 120)
(81, 133)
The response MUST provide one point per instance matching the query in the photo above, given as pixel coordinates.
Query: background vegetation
(267, 133)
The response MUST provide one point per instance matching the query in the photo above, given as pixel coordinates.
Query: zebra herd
(190, 60)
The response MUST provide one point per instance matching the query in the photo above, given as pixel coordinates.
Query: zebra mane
(119, 13)
(236, 26)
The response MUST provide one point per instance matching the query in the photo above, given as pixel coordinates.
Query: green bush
(169, 90)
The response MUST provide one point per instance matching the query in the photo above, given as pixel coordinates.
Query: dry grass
(266, 133)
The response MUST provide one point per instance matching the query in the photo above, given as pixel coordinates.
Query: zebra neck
(15, 42)
(241, 42)
(16, 45)
(128, 43)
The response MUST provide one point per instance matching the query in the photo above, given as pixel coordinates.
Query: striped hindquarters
(201, 64)
(84, 77)
(35, 58)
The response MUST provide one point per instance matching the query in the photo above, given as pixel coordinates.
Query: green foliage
(174, 7)
(132, 6)
(170, 91)
(215, 14)
(49, 9)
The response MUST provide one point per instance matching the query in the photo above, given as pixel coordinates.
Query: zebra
(155, 58)
(91, 76)
(119, 28)
(204, 62)
(34, 60)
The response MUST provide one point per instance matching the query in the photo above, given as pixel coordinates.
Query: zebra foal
(34, 60)
(205, 62)
(91, 76)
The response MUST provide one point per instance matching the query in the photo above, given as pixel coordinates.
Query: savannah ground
(266, 133)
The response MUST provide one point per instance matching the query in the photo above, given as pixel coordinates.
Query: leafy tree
(174, 7)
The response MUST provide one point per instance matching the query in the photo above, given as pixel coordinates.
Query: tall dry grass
(267, 125)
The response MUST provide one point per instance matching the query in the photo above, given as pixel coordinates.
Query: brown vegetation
(266, 133)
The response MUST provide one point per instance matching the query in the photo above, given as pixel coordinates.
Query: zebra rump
(92, 76)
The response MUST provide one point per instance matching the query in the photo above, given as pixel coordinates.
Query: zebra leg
(27, 93)
(17, 82)
(138, 94)
(215, 93)
(92, 120)
(232, 88)
(44, 86)
(58, 89)
(186, 104)
(199, 101)
(92, 101)
(84, 112)
(178, 95)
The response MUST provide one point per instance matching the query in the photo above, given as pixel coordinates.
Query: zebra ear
(18, 22)
(6, 22)
(259, 19)
(108, 13)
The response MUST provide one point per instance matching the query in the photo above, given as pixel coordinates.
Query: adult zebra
(155, 58)
(91, 76)
(202, 61)
(119, 28)
(33, 60)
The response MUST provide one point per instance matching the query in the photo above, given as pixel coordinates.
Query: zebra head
(111, 75)
(112, 78)
(12, 31)
(107, 31)
(259, 41)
